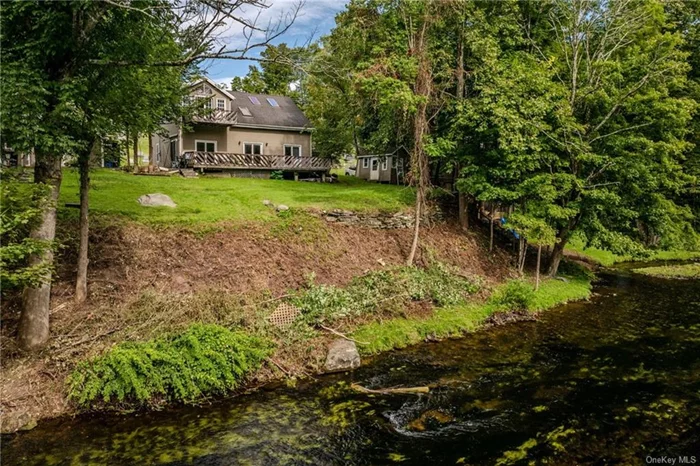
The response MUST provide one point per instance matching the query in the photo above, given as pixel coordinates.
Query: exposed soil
(257, 261)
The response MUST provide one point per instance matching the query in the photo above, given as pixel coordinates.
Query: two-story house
(239, 134)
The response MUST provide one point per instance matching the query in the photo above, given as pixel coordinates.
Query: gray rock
(282, 208)
(267, 202)
(342, 356)
(562, 279)
(156, 200)
(13, 422)
(331, 219)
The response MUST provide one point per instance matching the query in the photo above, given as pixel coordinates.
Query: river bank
(612, 379)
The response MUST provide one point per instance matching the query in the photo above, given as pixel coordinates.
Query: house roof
(264, 115)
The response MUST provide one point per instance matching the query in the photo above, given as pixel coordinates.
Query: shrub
(22, 205)
(516, 295)
(384, 291)
(277, 175)
(203, 360)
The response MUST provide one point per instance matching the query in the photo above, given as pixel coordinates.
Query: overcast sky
(316, 19)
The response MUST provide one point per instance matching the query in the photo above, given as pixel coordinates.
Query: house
(239, 134)
(387, 168)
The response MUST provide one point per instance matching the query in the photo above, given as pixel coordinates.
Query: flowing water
(612, 381)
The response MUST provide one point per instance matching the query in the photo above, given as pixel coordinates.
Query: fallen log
(390, 391)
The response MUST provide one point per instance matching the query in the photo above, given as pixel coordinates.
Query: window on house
(385, 164)
(245, 111)
(293, 150)
(253, 148)
(220, 104)
(206, 103)
(365, 162)
(272, 102)
(157, 152)
(254, 100)
(205, 146)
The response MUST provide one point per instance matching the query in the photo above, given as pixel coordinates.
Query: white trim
(205, 141)
(300, 129)
(284, 147)
(217, 104)
(215, 86)
(262, 147)
(374, 174)
(365, 162)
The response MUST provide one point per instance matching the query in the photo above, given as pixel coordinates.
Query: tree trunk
(81, 279)
(537, 270)
(151, 152)
(555, 257)
(126, 146)
(491, 240)
(33, 332)
(136, 151)
(463, 211)
(419, 159)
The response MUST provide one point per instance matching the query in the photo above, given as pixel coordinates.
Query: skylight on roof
(245, 111)
(272, 102)
(254, 100)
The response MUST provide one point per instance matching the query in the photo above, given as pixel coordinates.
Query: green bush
(516, 295)
(22, 204)
(277, 175)
(203, 360)
(386, 291)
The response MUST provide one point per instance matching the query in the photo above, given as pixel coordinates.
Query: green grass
(672, 271)
(607, 258)
(457, 320)
(211, 200)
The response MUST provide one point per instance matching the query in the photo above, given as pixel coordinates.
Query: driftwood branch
(391, 391)
(343, 335)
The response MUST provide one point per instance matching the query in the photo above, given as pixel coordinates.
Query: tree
(55, 55)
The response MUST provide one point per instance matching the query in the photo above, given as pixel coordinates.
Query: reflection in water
(608, 381)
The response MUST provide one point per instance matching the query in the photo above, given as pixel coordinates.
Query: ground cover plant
(201, 361)
(207, 200)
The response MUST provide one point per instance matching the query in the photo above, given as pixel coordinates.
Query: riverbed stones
(342, 356)
(156, 200)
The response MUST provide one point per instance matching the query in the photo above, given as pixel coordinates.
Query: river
(615, 380)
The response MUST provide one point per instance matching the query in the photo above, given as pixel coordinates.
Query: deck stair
(188, 173)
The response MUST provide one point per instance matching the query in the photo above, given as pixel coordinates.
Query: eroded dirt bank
(145, 281)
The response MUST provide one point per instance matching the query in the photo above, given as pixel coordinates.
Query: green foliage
(277, 175)
(516, 295)
(455, 320)
(20, 210)
(384, 291)
(204, 360)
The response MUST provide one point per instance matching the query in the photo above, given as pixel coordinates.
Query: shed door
(374, 169)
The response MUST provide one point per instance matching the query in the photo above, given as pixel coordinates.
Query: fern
(204, 360)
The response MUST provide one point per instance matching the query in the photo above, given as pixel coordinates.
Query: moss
(672, 271)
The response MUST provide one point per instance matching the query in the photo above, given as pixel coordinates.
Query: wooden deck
(232, 161)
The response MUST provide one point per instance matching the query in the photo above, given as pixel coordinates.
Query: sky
(315, 19)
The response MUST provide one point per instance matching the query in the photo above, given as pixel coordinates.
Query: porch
(232, 161)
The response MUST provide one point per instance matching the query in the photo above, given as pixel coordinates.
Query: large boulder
(342, 356)
(156, 200)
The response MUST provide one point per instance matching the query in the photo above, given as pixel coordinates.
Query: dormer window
(220, 104)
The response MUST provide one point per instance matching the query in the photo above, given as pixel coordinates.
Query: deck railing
(229, 160)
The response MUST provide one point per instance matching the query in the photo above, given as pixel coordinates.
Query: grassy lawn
(608, 258)
(210, 200)
(672, 271)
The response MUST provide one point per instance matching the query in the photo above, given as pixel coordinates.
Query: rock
(13, 422)
(282, 208)
(267, 202)
(342, 356)
(156, 200)
(562, 279)
(331, 219)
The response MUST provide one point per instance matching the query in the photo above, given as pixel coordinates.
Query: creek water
(615, 380)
